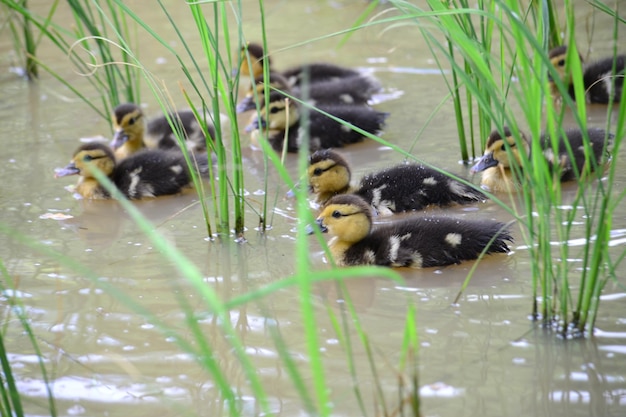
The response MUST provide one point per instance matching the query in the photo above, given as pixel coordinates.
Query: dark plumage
(496, 163)
(418, 242)
(354, 89)
(147, 173)
(282, 114)
(396, 189)
(310, 72)
(603, 79)
(129, 137)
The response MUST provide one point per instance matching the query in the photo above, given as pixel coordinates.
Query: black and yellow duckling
(147, 173)
(283, 114)
(310, 73)
(396, 189)
(133, 134)
(603, 79)
(354, 89)
(495, 164)
(417, 242)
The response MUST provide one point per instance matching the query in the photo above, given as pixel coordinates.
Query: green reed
(10, 399)
(494, 41)
(97, 26)
(211, 85)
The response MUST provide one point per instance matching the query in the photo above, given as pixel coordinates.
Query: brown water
(480, 357)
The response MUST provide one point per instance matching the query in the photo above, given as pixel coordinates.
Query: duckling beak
(254, 125)
(487, 161)
(321, 225)
(70, 169)
(119, 139)
(246, 104)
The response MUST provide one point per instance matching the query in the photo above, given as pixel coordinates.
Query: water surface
(481, 356)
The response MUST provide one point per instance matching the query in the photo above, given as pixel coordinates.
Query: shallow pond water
(481, 356)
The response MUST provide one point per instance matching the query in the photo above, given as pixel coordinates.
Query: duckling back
(317, 72)
(160, 135)
(323, 131)
(307, 73)
(425, 242)
(414, 187)
(357, 90)
(152, 173)
(572, 155)
(604, 80)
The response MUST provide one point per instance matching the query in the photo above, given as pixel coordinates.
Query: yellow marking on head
(280, 114)
(348, 222)
(256, 54)
(328, 178)
(132, 126)
(86, 160)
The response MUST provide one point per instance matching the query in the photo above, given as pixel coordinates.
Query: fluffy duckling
(311, 72)
(420, 242)
(283, 114)
(495, 164)
(132, 134)
(400, 188)
(602, 82)
(148, 173)
(355, 89)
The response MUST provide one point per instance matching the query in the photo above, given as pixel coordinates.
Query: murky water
(479, 357)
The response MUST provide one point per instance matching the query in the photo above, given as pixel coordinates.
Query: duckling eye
(274, 110)
(132, 121)
(317, 171)
(561, 62)
(336, 214)
(87, 158)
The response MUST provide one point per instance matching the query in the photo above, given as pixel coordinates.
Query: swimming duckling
(495, 164)
(602, 82)
(417, 242)
(283, 114)
(400, 188)
(355, 89)
(311, 72)
(148, 173)
(129, 125)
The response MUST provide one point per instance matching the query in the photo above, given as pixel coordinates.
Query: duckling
(496, 164)
(148, 173)
(417, 242)
(283, 114)
(396, 189)
(310, 73)
(354, 89)
(128, 121)
(602, 82)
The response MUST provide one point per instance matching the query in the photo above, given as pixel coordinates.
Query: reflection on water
(479, 353)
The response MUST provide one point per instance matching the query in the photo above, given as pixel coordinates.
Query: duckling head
(496, 152)
(88, 157)
(280, 113)
(500, 154)
(257, 90)
(328, 173)
(558, 59)
(129, 129)
(257, 61)
(346, 216)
